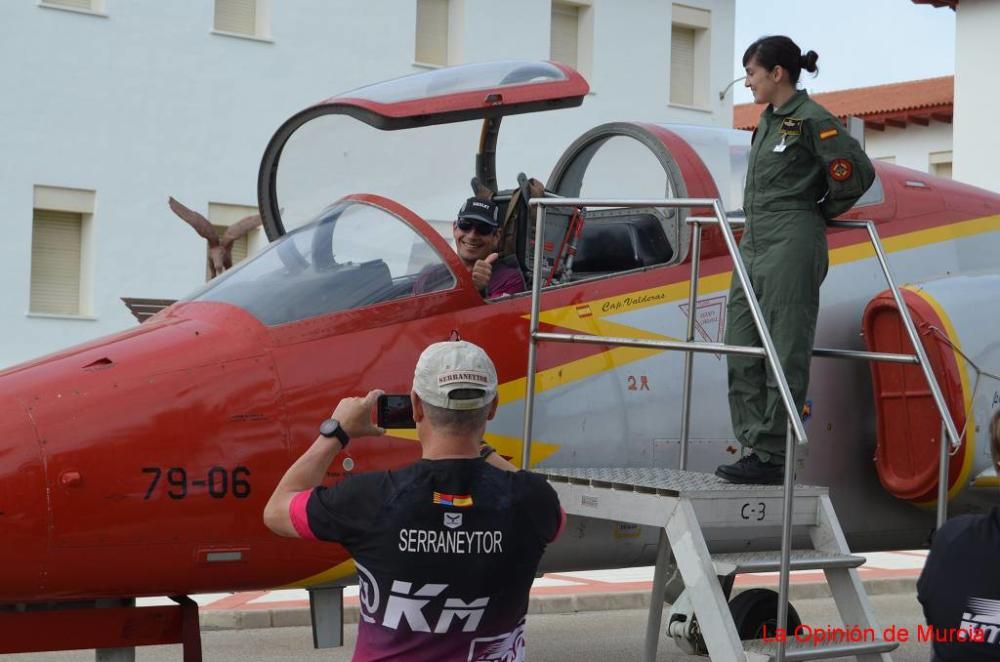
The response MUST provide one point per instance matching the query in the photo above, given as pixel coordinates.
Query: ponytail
(774, 51)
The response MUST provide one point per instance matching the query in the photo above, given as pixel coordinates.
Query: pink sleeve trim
(300, 519)
(562, 524)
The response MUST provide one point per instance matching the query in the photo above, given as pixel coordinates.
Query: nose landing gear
(755, 613)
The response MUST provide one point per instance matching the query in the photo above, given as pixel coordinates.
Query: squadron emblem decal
(710, 318)
(841, 170)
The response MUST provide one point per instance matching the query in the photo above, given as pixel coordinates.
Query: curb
(249, 619)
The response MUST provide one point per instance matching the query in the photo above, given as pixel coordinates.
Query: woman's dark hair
(772, 51)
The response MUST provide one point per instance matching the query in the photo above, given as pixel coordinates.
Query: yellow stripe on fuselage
(568, 317)
(970, 439)
(941, 233)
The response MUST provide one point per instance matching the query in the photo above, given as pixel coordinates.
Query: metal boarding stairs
(682, 504)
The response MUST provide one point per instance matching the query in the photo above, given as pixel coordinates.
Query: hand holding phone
(395, 411)
(355, 415)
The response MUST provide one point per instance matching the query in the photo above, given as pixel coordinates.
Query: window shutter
(55, 262)
(682, 65)
(941, 170)
(940, 163)
(237, 16)
(72, 4)
(432, 32)
(565, 31)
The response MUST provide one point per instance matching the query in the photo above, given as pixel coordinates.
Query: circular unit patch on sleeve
(840, 170)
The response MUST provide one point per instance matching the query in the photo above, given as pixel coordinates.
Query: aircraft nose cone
(23, 505)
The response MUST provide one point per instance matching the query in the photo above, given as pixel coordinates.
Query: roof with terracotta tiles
(896, 104)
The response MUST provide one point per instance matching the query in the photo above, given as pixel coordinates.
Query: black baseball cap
(484, 211)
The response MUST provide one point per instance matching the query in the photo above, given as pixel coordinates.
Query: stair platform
(770, 561)
(686, 504)
(644, 495)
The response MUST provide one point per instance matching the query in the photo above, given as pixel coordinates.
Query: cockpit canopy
(331, 253)
(356, 254)
(317, 155)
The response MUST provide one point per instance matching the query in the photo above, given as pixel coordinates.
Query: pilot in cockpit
(477, 238)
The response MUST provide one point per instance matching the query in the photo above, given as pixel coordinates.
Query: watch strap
(337, 432)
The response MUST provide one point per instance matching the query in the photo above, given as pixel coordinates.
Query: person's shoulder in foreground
(959, 587)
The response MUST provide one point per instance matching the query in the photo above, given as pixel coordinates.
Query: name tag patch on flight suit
(840, 170)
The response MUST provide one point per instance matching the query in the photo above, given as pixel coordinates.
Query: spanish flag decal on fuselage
(456, 500)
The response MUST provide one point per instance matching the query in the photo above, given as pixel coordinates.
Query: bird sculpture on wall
(220, 248)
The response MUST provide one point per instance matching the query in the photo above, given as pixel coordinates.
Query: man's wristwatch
(485, 450)
(330, 428)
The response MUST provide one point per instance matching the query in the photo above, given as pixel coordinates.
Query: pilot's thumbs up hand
(482, 270)
(355, 415)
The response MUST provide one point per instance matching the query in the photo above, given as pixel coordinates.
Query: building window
(940, 164)
(690, 56)
(572, 35)
(432, 33)
(60, 228)
(88, 6)
(248, 240)
(248, 18)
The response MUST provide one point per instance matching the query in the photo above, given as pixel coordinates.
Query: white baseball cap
(455, 365)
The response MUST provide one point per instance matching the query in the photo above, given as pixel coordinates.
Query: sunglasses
(465, 225)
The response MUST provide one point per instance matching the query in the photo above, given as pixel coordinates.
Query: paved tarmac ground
(600, 635)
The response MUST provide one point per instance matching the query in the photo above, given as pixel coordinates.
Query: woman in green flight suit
(804, 169)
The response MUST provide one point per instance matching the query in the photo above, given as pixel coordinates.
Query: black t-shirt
(446, 552)
(959, 588)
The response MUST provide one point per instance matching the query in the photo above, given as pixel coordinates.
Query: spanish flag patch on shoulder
(829, 133)
(456, 500)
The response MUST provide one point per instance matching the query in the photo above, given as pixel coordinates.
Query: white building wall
(146, 102)
(977, 97)
(911, 147)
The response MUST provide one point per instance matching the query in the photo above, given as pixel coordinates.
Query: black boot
(752, 470)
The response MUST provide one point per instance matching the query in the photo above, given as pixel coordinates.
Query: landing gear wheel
(757, 609)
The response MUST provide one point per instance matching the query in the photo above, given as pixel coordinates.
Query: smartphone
(395, 411)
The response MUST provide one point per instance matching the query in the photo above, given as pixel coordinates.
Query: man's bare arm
(307, 472)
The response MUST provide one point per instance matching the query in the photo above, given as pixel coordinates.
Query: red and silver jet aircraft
(139, 464)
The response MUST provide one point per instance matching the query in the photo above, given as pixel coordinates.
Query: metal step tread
(668, 482)
(770, 561)
(809, 650)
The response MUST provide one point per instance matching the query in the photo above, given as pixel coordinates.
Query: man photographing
(446, 548)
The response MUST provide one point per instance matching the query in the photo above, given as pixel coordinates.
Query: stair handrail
(796, 431)
(948, 428)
